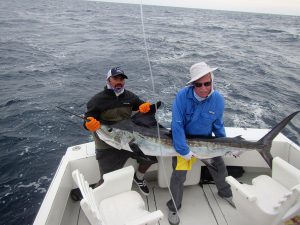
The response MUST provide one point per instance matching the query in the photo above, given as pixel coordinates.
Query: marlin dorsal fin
(239, 138)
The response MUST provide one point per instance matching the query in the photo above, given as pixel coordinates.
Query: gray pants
(179, 176)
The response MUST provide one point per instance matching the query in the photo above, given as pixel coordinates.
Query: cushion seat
(113, 202)
(126, 206)
(269, 200)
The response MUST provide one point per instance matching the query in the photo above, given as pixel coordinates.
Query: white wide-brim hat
(199, 70)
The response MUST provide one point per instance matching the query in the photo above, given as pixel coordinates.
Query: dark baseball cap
(115, 72)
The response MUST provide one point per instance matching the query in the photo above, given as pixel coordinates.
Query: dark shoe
(96, 184)
(142, 185)
(76, 194)
(173, 218)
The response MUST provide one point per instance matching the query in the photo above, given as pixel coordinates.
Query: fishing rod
(81, 117)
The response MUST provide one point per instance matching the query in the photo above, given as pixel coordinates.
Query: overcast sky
(284, 7)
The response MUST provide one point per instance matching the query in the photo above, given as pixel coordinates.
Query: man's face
(203, 85)
(117, 82)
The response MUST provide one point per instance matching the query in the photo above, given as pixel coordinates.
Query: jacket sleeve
(218, 126)
(92, 110)
(136, 102)
(178, 122)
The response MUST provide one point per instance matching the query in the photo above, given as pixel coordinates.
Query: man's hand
(92, 124)
(188, 156)
(145, 107)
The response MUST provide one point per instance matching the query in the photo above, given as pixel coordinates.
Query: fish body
(130, 133)
(163, 146)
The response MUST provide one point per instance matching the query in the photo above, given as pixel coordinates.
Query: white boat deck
(200, 206)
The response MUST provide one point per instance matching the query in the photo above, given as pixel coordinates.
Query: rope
(153, 88)
(155, 202)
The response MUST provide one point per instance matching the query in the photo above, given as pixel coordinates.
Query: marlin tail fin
(266, 140)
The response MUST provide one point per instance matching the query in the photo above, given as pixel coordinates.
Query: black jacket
(107, 108)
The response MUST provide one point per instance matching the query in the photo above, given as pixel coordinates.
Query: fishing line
(78, 216)
(148, 203)
(80, 116)
(73, 114)
(155, 202)
(153, 88)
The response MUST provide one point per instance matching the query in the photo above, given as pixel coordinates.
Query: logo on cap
(116, 71)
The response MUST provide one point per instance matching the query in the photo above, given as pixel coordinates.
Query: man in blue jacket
(197, 110)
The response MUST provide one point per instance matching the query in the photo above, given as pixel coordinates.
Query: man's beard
(118, 89)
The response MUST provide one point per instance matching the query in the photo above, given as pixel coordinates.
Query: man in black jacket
(114, 104)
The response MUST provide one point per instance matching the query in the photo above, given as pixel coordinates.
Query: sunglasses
(206, 84)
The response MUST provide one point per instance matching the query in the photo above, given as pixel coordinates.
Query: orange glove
(145, 107)
(92, 124)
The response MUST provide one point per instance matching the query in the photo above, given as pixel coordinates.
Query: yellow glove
(145, 107)
(92, 124)
(183, 164)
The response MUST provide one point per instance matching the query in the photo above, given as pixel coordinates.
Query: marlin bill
(140, 134)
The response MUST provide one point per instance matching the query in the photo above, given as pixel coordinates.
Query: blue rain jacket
(192, 117)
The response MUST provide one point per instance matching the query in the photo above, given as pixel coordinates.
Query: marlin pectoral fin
(155, 106)
(136, 149)
(208, 164)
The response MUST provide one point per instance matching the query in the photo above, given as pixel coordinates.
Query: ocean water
(56, 53)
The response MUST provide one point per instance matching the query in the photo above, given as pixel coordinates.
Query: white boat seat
(113, 202)
(269, 200)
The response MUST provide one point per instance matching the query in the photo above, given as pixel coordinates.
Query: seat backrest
(113, 202)
(285, 173)
(289, 206)
(88, 203)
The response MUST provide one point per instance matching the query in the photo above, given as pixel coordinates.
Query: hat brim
(122, 74)
(202, 75)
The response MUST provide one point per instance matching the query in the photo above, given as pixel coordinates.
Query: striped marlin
(140, 134)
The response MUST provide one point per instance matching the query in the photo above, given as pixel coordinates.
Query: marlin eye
(110, 129)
